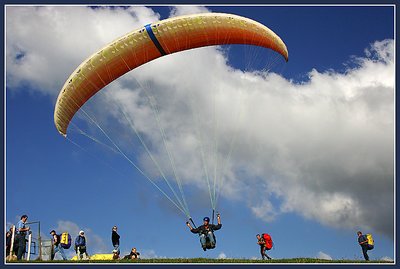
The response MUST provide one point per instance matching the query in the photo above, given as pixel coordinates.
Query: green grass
(204, 260)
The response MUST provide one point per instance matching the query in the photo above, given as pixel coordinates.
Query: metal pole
(12, 242)
(40, 244)
(39, 238)
(29, 246)
(52, 249)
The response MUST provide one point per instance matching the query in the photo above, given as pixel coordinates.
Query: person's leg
(15, 247)
(210, 236)
(84, 253)
(21, 247)
(79, 253)
(116, 252)
(61, 250)
(116, 249)
(266, 255)
(56, 249)
(262, 252)
(17, 239)
(52, 253)
(364, 250)
(203, 241)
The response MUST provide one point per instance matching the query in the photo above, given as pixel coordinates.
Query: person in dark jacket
(133, 255)
(8, 241)
(263, 249)
(80, 246)
(206, 231)
(115, 241)
(56, 247)
(363, 242)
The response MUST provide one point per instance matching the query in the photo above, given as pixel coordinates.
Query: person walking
(80, 246)
(261, 242)
(56, 247)
(21, 231)
(363, 242)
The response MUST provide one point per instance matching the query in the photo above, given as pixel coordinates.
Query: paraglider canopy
(153, 41)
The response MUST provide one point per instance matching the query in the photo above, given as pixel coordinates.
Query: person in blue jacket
(21, 231)
(80, 246)
(363, 242)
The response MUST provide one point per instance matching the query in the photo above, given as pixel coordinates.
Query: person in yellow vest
(363, 242)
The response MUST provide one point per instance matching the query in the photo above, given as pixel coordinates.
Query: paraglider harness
(205, 232)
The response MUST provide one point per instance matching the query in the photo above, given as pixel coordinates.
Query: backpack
(65, 240)
(370, 241)
(268, 241)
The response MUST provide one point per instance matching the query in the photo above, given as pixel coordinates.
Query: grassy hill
(204, 260)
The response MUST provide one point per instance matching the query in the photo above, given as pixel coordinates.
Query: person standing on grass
(8, 242)
(115, 241)
(80, 246)
(21, 231)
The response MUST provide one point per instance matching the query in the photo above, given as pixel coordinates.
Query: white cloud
(265, 210)
(9, 225)
(150, 254)
(221, 256)
(323, 256)
(187, 10)
(304, 147)
(40, 53)
(388, 259)
(94, 243)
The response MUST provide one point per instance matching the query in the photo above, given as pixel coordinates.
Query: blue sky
(305, 159)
